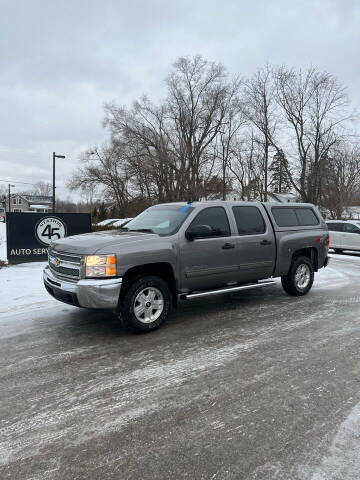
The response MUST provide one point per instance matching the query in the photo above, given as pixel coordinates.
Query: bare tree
(342, 179)
(42, 188)
(211, 134)
(227, 145)
(199, 99)
(261, 110)
(246, 167)
(143, 132)
(175, 140)
(315, 107)
(102, 167)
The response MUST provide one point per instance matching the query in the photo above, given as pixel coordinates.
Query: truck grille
(65, 265)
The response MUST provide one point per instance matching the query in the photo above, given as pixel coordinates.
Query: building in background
(282, 197)
(30, 203)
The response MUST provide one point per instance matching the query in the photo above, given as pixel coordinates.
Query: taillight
(328, 242)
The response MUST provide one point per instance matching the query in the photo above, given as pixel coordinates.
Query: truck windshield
(160, 219)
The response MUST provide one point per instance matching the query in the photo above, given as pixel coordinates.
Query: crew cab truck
(179, 251)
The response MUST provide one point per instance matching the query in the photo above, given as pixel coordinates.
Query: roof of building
(34, 198)
(283, 197)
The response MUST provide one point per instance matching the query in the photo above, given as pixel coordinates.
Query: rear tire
(338, 250)
(300, 278)
(146, 304)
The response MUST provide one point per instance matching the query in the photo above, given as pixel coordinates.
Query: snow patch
(22, 289)
(3, 255)
(342, 461)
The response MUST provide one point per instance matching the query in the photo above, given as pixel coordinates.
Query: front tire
(300, 278)
(146, 304)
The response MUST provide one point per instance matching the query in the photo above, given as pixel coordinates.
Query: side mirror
(198, 231)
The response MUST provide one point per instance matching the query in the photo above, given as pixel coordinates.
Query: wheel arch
(311, 253)
(163, 270)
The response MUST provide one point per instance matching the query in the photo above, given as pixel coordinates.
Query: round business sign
(49, 229)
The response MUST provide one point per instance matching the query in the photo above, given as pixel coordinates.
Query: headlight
(100, 265)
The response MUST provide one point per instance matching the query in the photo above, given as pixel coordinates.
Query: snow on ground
(21, 286)
(354, 212)
(2, 241)
(342, 460)
(336, 274)
(352, 257)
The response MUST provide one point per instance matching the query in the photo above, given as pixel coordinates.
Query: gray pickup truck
(179, 251)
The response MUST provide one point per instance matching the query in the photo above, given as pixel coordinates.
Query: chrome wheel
(148, 305)
(302, 276)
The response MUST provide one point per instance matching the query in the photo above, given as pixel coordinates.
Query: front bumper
(86, 293)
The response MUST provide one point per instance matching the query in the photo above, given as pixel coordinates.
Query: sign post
(30, 234)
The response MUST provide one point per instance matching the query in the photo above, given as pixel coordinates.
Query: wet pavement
(252, 385)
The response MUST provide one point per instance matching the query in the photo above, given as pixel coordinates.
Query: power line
(15, 181)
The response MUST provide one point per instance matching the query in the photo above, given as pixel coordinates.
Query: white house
(282, 197)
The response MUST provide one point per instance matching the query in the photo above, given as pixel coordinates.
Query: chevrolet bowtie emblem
(56, 262)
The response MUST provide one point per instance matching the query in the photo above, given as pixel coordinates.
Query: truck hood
(92, 243)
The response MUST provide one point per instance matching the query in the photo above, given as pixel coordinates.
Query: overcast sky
(61, 61)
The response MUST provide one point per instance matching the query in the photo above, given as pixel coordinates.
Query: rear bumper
(327, 261)
(85, 293)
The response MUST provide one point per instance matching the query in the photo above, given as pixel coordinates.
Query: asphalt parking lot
(252, 385)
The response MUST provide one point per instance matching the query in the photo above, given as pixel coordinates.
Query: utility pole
(53, 192)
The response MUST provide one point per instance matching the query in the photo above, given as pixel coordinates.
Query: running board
(227, 290)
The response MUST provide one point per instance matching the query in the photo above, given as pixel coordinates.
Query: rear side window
(306, 217)
(249, 220)
(294, 217)
(216, 218)
(335, 227)
(285, 217)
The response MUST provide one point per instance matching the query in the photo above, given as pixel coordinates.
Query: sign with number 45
(49, 229)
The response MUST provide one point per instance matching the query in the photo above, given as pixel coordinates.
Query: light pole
(9, 196)
(53, 192)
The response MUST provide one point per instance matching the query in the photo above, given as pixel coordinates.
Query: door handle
(227, 246)
(265, 242)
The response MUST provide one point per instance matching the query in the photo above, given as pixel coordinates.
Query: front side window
(249, 220)
(216, 218)
(160, 219)
(351, 228)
